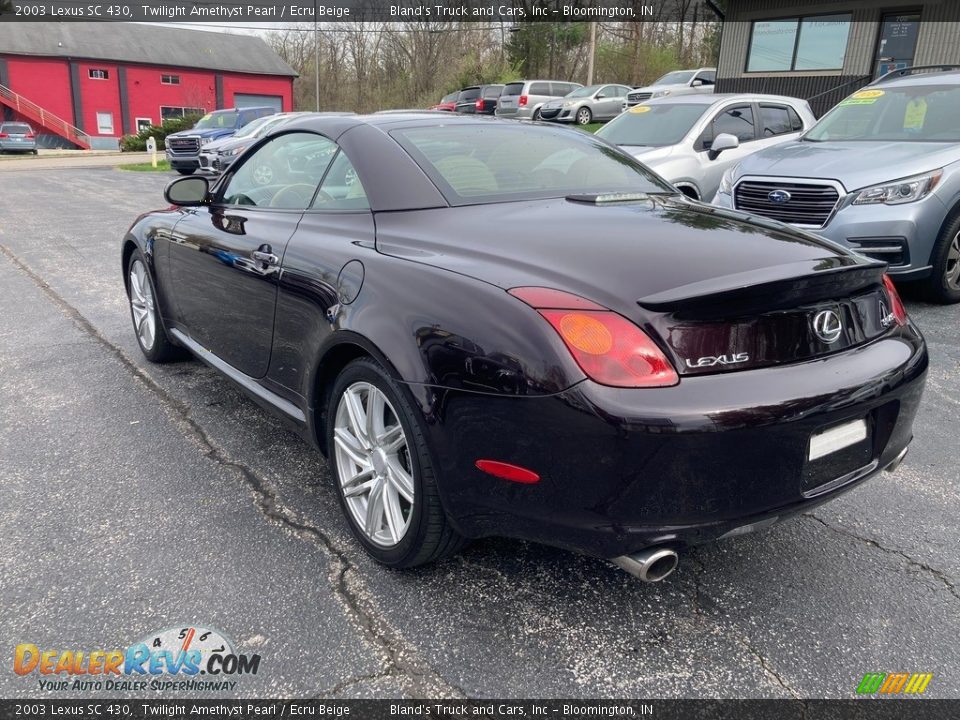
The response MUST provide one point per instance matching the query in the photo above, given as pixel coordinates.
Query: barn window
(98, 74)
(170, 79)
(105, 123)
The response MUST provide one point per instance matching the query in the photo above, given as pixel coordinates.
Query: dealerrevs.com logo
(174, 659)
(894, 683)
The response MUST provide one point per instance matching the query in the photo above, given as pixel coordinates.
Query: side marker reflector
(506, 471)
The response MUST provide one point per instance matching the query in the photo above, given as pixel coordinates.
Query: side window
(774, 120)
(283, 173)
(341, 188)
(707, 77)
(540, 88)
(736, 121)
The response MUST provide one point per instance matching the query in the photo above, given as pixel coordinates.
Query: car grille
(187, 145)
(638, 97)
(807, 204)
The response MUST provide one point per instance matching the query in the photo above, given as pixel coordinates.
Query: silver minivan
(522, 99)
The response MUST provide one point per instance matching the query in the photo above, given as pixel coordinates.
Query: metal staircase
(44, 118)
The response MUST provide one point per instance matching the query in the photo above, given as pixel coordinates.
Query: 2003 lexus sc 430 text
(502, 329)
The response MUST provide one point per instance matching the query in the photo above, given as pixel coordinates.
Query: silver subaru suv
(879, 173)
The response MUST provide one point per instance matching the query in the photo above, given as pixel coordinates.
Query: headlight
(898, 192)
(233, 151)
(166, 143)
(726, 182)
(206, 141)
(569, 103)
(660, 93)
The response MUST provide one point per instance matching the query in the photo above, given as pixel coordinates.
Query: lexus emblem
(827, 326)
(779, 196)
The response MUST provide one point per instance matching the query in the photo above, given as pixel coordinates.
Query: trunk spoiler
(777, 285)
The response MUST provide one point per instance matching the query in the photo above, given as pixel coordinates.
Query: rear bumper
(18, 145)
(623, 470)
(523, 113)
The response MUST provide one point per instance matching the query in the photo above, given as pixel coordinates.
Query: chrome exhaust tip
(650, 565)
(897, 461)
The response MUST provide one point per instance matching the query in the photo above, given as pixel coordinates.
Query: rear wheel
(383, 472)
(944, 286)
(151, 337)
(584, 116)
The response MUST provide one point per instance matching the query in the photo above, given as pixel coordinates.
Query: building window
(143, 124)
(170, 79)
(97, 74)
(811, 43)
(168, 112)
(105, 123)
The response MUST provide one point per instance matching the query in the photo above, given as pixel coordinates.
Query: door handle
(266, 257)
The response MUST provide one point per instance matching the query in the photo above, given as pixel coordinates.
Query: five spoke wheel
(952, 269)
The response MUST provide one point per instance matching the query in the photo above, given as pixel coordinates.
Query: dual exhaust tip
(650, 565)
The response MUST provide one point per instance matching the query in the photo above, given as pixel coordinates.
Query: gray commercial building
(822, 50)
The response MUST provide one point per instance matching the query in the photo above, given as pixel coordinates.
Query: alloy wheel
(952, 270)
(583, 116)
(373, 464)
(142, 305)
(263, 174)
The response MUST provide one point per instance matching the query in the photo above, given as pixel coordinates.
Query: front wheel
(151, 337)
(584, 116)
(944, 285)
(383, 472)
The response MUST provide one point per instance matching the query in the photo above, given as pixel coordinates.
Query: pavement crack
(769, 670)
(335, 690)
(938, 574)
(420, 680)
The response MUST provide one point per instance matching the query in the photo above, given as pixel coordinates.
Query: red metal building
(87, 84)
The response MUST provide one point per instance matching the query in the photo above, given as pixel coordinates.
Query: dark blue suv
(183, 148)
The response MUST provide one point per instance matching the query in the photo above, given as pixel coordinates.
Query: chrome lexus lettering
(710, 361)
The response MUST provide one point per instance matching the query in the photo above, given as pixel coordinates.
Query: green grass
(590, 128)
(162, 166)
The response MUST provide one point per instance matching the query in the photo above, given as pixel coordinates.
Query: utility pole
(593, 51)
(316, 56)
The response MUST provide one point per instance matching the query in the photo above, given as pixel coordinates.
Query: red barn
(86, 84)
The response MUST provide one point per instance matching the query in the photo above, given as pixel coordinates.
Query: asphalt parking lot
(137, 498)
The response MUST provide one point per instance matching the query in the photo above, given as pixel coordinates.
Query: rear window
(477, 163)
(469, 94)
(493, 91)
(513, 89)
(16, 128)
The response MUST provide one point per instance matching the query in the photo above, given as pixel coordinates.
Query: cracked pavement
(139, 497)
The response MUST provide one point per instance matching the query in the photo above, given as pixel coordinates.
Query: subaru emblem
(778, 196)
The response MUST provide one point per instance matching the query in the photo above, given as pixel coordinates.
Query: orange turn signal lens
(585, 333)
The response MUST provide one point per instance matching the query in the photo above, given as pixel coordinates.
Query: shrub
(138, 142)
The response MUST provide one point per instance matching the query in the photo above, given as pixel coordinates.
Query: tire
(409, 527)
(584, 116)
(141, 296)
(36, 152)
(536, 115)
(944, 284)
(186, 171)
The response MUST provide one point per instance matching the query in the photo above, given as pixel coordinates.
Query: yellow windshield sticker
(915, 114)
(640, 109)
(863, 97)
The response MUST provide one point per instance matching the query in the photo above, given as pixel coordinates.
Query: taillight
(609, 348)
(3, 135)
(30, 136)
(479, 104)
(896, 304)
(522, 101)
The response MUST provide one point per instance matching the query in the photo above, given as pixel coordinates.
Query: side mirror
(724, 141)
(696, 83)
(188, 191)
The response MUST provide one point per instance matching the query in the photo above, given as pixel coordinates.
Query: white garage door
(274, 101)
